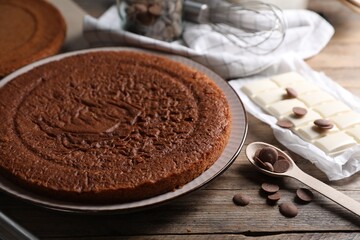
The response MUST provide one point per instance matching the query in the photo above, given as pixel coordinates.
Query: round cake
(110, 126)
(29, 30)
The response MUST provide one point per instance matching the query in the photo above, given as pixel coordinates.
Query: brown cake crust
(33, 29)
(110, 126)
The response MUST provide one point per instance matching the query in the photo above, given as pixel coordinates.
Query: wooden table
(209, 213)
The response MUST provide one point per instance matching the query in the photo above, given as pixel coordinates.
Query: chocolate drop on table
(304, 195)
(268, 154)
(288, 209)
(241, 199)
(274, 197)
(269, 187)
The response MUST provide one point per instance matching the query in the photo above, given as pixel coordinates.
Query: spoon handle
(329, 192)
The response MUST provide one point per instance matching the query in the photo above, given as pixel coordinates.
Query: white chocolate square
(257, 86)
(315, 98)
(310, 132)
(331, 108)
(303, 87)
(354, 132)
(284, 107)
(310, 116)
(347, 119)
(265, 98)
(335, 142)
(287, 79)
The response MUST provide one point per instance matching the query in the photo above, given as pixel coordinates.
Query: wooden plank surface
(209, 213)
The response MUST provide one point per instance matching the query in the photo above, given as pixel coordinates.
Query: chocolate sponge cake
(110, 126)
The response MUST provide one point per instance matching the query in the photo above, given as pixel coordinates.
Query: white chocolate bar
(315, 98)
(335, 142)
(346, 120)
(284, 107)
(310, 116)
(286, 79)
(255, 87)
(265, 98)
(310, 132)
(329, 109)
(272, 97)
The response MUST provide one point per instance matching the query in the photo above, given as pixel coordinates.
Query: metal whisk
(252, 25)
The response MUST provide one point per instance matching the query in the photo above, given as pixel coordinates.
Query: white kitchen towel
(306, 34)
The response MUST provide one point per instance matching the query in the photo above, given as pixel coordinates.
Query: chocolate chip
(288, 209)
(304, 195)
(270, 187)
(324, 123)
(268, 154)
(241, 199)
(257, 152)
(274, 197)
(291, 93)
(268, 166)
(281, 166)
(259, 162)
(284, 123)
(299, 111)
(281, 157)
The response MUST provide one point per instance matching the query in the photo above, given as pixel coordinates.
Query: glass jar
(159, 19)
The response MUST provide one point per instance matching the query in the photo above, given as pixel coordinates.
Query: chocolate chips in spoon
(269, 159)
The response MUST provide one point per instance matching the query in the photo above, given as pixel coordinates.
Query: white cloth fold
(306, 34)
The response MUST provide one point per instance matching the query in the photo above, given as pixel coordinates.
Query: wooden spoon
(295, 172)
